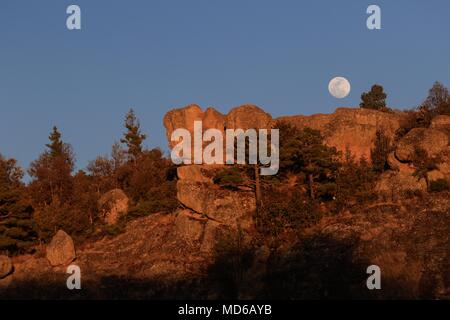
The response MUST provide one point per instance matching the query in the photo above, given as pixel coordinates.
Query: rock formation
(209, 209)
(6, 266)
(113, 205)
(243, 117)
(432, 141)
(352, 129)
(61, 250)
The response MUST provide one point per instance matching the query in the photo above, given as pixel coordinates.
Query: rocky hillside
(210, 247)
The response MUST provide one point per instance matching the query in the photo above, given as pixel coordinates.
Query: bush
(284, 209)
(439, 185)
(229, 178)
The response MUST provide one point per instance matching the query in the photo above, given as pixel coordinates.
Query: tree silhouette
(133, 138)
(374, 99)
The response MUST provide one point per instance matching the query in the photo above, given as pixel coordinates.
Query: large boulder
(243, 117)
(431, 140)
(444, 166)
(61, 250)
(248, 117)
(396, 165)
(440, 122)
(184, 118)
(397, 182)
(225, 206)
(113, 205)
(6, 266)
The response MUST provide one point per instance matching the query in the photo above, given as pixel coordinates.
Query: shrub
(230, 178)
(439, 185)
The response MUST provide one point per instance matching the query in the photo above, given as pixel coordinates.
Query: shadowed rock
(6, 266)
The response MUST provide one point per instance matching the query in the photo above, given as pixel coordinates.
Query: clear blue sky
(155, 55)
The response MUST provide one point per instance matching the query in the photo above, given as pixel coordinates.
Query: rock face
(210, 212)
(6, 266)
(441, 122)
(401, 178)
(354, 129)
(393, 183)
(189, 226)
(248, 117)
(195, 173)
(113, 205)
(243, 117)
(61, 250)
(350, 128)
(431, 140)
(224, 206)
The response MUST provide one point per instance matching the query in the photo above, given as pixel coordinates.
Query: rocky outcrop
(225, 206)
(349, 128)
(6, 266)
(248, 117)
(61, 250)
(402, 177)
(189, 226)
(243, 117)
(210, 211)
(201, 232)
(394, 183)
(113, 205)
(432, 141)
(441, 122)
(185, 118)
(197, 173)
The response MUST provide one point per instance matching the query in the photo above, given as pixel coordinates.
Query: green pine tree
(133, 138)
(17, 227)
(374, 99)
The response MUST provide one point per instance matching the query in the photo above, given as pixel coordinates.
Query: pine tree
(52, 171)
(374, 99)
(304, 152)
(133, 138)
(17, 227)
(56, 146)
(379, 154)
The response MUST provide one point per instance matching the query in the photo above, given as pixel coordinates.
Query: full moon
(339, 87)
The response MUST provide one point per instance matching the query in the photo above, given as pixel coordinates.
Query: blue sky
(155, 55)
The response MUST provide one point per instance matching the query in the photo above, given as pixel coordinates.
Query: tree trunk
(311, 183)
(257, 192)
